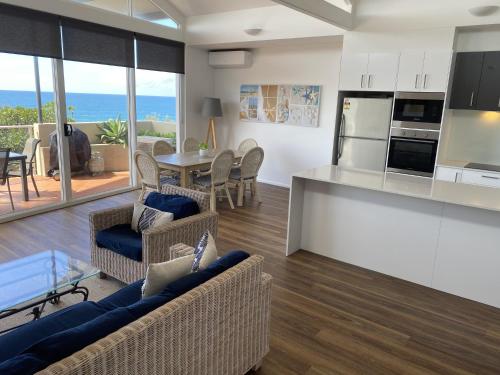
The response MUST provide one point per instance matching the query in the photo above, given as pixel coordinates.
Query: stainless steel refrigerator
(364, 133)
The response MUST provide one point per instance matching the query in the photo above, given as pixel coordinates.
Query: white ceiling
(200, 7)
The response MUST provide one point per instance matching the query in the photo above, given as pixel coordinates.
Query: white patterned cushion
(204, 253)
(145, 217)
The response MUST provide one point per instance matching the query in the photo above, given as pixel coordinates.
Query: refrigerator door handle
(340, 143)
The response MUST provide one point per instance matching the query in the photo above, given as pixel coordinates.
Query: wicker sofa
(155, 242)
(220, 327)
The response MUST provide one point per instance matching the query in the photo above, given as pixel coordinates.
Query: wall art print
(281, 104)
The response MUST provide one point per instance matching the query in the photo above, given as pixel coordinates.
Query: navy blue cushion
(65, 343)
(123, 297)
(20, 339)
(122, 240)
(191, 281)
(179, 205)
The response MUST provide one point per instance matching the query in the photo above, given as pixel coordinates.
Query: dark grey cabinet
(466, 79)
(476, 81)
(488, 97)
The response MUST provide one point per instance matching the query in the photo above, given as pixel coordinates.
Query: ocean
(97, 107)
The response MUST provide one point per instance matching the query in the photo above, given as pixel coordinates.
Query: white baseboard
(274, 183)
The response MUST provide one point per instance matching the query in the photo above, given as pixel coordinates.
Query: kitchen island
(439, 234)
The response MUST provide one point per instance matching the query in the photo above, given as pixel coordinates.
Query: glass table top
(27, 278)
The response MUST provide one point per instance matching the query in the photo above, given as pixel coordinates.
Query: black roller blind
(29, 32)
(99, 44)
(159, 54)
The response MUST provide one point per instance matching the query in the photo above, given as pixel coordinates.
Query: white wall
(199, 84)
(288, 149)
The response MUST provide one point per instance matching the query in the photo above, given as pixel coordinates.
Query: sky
(17, 73)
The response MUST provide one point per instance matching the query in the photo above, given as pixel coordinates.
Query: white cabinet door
(354, 72)
(411, 65)
(382, 71)
(436, 70)
(490, 179)
(448, 174)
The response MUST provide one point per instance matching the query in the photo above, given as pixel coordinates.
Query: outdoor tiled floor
(50, 190)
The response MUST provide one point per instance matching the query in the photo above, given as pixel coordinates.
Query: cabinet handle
(362, 80)
(456, 176)
(491, 177)
(498, 102)
(471, 99)
(370, 81)
(425, 81)
(416, 81)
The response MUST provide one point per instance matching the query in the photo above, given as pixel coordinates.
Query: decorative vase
(96, 163)
(204, 152)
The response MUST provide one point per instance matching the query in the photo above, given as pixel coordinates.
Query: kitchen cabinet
(425, 71)
(369, 71)
(483, 178)
(488, 97)
(466, 79)
(449, 174)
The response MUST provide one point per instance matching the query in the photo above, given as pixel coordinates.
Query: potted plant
(203, 149)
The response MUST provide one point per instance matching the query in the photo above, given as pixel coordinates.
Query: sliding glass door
(97, 110)
(27, 122)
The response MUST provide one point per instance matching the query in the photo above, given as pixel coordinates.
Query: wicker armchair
(246, 173)
(156, 242)
(190, 145)
(215, 180)
(247, 144)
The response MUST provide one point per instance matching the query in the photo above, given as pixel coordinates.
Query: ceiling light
(254, 31)
(483, 11)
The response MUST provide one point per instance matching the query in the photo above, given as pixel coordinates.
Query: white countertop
(417, 187)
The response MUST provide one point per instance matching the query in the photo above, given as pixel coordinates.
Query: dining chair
(30, 148)
(149, 172)
(4, 172)
(216, 178)
(247, 144)
(162, 147)
(245, 174)
(190, 145)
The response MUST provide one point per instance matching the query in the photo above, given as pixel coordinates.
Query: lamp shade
(211, 107)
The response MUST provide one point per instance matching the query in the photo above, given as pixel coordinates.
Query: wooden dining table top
(189, 159)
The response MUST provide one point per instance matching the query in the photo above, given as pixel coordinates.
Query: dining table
(186, 162)
(21, 159)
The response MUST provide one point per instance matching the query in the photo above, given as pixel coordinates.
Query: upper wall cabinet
(369, 71)
(476, 81)
(424, 71)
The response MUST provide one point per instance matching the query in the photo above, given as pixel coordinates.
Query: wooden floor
(327, 317)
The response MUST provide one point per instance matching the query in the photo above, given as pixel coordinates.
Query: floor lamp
(212, 108)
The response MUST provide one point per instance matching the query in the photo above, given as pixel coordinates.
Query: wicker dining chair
(149, 172)
(216, 178)
(247, 144)
(161, 147)
(4, 172)
(30, 151)
(190, 145)
(245, 174)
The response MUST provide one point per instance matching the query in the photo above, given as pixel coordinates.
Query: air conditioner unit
(230, 59)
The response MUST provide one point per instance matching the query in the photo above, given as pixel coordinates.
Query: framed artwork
(281, 104)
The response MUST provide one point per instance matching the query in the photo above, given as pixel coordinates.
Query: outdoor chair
(245, 174)
(190, 145)
(215, 180)
(247, 144)
(154, 243)
(4, 176)
(30, 151)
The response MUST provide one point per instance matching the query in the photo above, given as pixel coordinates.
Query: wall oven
(418, 110)
(413, 152)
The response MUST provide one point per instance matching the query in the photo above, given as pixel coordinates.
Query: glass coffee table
(32, 282)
